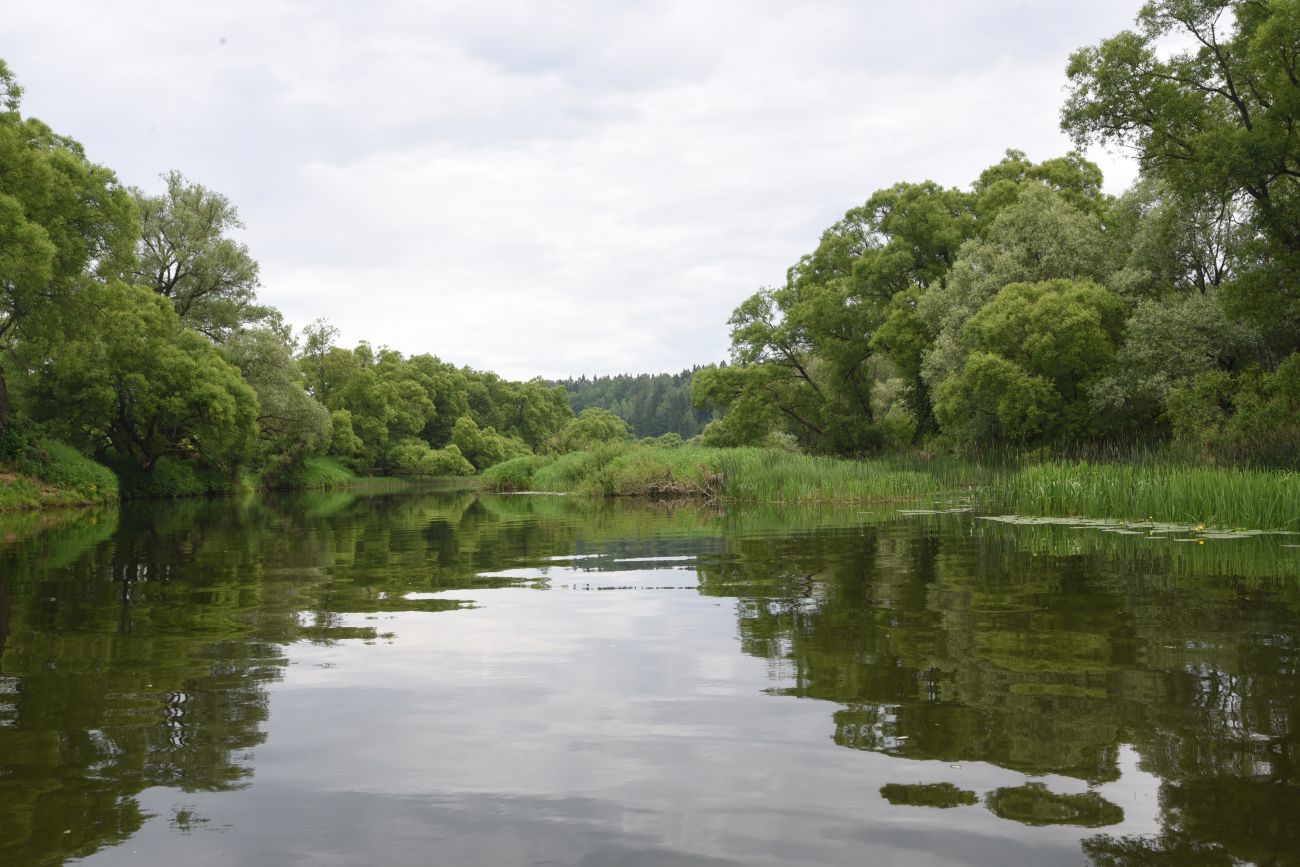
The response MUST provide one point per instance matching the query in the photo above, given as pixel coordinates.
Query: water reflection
(239, 668)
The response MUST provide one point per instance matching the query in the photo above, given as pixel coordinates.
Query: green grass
(1215, 496)
(1137, 487)
(316, 474)
(50, 473)
(515, 474)
(739, 475)
(766, 476)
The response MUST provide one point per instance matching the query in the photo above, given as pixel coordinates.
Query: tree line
(653, 404)
(1030, 308)
(130, 327)
(1033, 309)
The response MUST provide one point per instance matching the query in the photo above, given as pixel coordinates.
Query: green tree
(186, 255)
(1216, 120)
(1040, 236)
(1035, 351)
(1169, 341)
(1251, 414)
(290, 423)
(484, 447)
(821, 339)
(593, 427)
(63, 221)
(135, 383)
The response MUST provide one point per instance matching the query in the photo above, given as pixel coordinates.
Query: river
(467, 679)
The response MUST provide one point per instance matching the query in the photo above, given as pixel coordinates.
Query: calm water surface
(464, 679)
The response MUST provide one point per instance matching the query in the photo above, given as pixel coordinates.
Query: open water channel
(465, 679)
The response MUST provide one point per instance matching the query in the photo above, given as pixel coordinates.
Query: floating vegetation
(1162, 529)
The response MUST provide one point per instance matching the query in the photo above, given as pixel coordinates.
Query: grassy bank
(737, 475)
(46, 473)
(1137, 489)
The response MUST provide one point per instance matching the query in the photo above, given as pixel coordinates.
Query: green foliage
(593, 427)
(484, 447)
(656, 473)
(1038, 237)
(568, 472)
(315, 473)
(64, 467)
(1168, 342)
(186, 256)
(767, 476)
(38, 471)
(383, 403)
(171, 476)
(135, 383)
(755, 475)
(18, 493)
(749, 417)
(515, 474)
(413, 457)
(62, 219)
(1071, 177)
(664, 441)
(887, 296)
(1145, 488)
(344, 442)
(813, 341)
(1035, 350)
(651, 404)
(1252, 414)
(290, 424)
(1217, 120)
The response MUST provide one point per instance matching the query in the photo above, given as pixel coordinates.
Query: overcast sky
(547, 188)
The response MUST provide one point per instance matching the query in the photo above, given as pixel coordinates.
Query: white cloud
(547, 188)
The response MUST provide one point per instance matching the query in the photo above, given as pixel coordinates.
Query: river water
(465, 679)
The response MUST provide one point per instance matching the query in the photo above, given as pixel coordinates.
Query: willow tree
(1217, 119)
(64, 222)
(187, 255)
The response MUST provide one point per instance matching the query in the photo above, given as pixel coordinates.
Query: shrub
(513, 475)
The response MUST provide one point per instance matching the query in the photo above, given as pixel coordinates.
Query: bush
(513, 475)
(413, 457)
(312, 473)
(1251, 415)
(567, 472)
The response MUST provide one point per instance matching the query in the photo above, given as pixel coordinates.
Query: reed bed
(1214, 496)
(1141, 487)
(764, 476)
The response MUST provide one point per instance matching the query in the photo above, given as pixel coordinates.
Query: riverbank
(1143, 488)
(49, 474)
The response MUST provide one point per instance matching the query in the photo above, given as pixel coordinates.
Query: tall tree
(186, 255)
(63, 221)
(134, 383)
(1218, 120)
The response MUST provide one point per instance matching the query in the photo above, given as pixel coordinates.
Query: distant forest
(651, 404)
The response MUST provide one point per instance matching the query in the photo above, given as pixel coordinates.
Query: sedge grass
(1141, 487)
(1145, 490)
